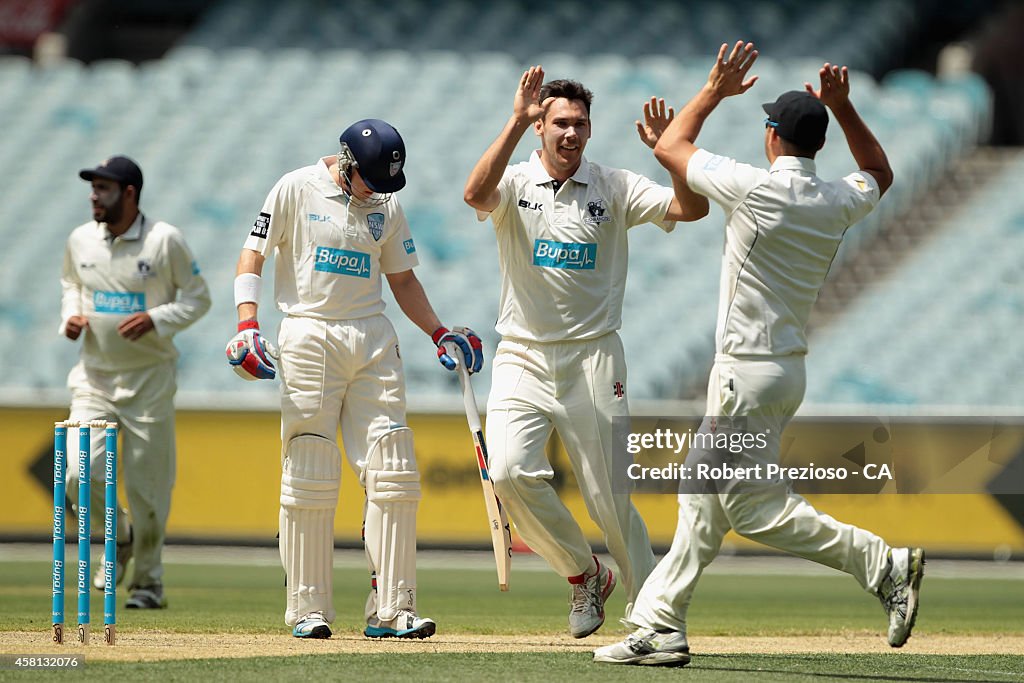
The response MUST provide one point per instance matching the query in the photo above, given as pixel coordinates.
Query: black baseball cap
(380, 153)
(119, 168)
(798, 117)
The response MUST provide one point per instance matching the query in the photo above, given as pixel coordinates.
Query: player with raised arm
(561, 224)
(335, 228)
(782, 230)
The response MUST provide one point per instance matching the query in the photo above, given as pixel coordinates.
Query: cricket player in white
(336, 227)
(561, 224)
(783, 228)
(129, 285)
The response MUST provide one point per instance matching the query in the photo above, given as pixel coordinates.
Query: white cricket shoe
(899, 591)
(647, 647)
(313, 625)
(124, 553)
(405, 625)
(586, 602)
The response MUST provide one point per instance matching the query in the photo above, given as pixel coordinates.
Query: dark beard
(113, 213)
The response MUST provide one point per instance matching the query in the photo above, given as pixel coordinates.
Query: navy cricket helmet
(379, 153)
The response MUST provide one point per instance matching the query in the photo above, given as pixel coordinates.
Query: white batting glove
(249, 353)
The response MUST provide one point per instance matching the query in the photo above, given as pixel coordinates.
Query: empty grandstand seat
(231, 108)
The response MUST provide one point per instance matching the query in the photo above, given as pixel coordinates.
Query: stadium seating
(217, 121)
(946, 325)
(864, 34)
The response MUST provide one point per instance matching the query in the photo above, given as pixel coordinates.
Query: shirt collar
(133, 232)
(786, 163)
(539, 175)
(324, 181)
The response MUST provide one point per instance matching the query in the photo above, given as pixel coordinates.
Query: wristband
(247, 288)
(249, 324)
(438, 333)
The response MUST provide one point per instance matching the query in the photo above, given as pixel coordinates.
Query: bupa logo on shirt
(342, 262)
(569, 255)
(119, 302)
(375, 221)
(410, 247)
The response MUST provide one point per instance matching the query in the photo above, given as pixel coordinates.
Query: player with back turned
(561, 223)
(335, 228)
(783, 228)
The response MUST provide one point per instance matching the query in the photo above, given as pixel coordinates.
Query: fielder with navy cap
(129, 285)
(335, 228)
(783, 227)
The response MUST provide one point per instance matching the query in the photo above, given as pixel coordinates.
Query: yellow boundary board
(229, 471)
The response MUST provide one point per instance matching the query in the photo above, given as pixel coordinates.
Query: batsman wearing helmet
(335, 228)
(561, 223)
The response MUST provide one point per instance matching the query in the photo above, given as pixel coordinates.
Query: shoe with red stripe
(586, 602)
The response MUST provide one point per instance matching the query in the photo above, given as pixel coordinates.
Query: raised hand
(726, 77)
(527, 106)
(835, 86)
(656, 120)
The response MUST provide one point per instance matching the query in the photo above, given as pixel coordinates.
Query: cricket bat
(501, 532)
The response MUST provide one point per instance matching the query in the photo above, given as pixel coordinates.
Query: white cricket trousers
(333, 372)
(340, 371)
(576, 388)
(141, 401)
(770, 390)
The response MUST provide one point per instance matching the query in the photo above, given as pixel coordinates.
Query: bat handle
(469, 398)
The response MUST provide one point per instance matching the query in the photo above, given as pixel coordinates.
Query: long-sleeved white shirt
(106, 279)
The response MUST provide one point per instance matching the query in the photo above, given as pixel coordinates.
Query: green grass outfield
(969, 629)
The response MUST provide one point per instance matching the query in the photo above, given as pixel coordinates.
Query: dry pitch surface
(152, 645)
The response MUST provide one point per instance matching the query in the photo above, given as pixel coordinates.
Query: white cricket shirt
(148, 268)
(563, 256)
(783, 227)
(330, 253)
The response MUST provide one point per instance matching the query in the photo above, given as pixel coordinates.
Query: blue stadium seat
(231, 108)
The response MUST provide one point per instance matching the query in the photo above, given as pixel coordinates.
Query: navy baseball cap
(119, 168)
(379, 152)
(798, 117)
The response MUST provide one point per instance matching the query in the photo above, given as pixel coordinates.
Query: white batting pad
(392, 493)
(309, 496)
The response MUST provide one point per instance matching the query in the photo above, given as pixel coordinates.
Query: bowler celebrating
(561, 223)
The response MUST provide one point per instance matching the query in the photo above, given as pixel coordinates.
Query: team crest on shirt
(597, 211)
(375, 221)
(144, 269)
